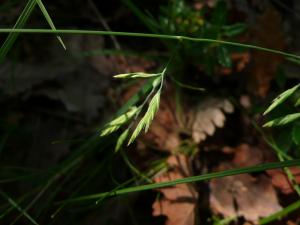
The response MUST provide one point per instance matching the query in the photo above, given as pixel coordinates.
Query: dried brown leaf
(281, 181)
(207, 116)
(178, 203)
(245, 155)
(239, 59)
(243, 196)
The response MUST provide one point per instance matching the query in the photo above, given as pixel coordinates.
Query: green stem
(147, 35)
(12, 37)
(16, 206)
(178, 83)
(257, 168)
(279, 215)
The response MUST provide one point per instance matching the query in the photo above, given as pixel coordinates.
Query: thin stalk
(49, 20)
(290, 176)
(147, 35)
(103, 23)
(12, 37)
(187, 86)
(279, 215)
(16, 206)
(257, 168)
(133, 168)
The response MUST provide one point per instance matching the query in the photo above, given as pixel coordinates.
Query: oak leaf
(207, 116)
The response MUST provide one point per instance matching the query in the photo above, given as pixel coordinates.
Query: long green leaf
(253, 169)
(148, 35)
(283, 120)
(12, 37)
(49, 20)
(16, 206)
(296, 133)
(284, 212)
(151, 24)
(281, 98)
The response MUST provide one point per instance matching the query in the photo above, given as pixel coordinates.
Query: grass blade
(12, 37)
(258, 168)
(49, 20)
(281, 121)
(16, 206)
(282, 98)
(151, 24)
(279, 215)
(149, 35)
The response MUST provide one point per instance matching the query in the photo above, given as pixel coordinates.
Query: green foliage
(287, 118)
(224, 57)
(153, 106)
(283, 116)
(281, 98)
(204, 177)
(283, 120)
(115, 124)
(297, 103)
(180, 18)
(22, 20)
(49, 20)
(234, 29)
(147, 118)
(223, 221)
(122, 138)
(286, 141)
(281, 214)
(151, 111)
(201, 37)
(15, 205)
(12, 37)
(296, 133)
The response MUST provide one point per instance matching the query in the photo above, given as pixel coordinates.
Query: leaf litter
(177, 203)
(247, 196)
(208, 116)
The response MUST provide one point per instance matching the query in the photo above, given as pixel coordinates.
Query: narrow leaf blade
(283, 120)
(12, 37)
(204, 177)
(281, 98)
(224, 57)
(49, 20)
(296, 134)
(14, 204)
